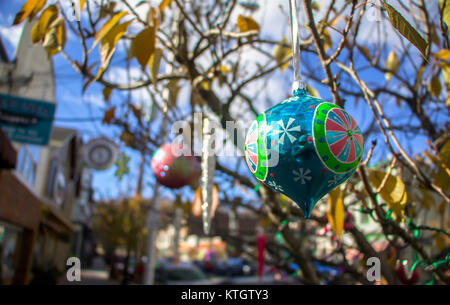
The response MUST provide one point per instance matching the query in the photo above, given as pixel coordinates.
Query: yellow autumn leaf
(143, 46)
(137, 112)
(127, 138)
(419, 77)
(152, 17)
(434, 35)
(246, 24)
(399, 208)
(435, 86)
(107, 27)
(107, 93)
(154, 63)
(224, 69)
(107, 9)
(445, 68)
(174, 89)
(443, 55)
(391, 65)
(108, 45)
(427, 199)
(365, 52)
(442, 174)
(135, 202)
(445, 11)
(282, 53)
(315, 6)
(326, 37)
(442, 178)
(109, 115)
(265, 222)
(439, 242)
(312, 91)
(441, 207)
(164, 4)
(444, 153)
(335, 211)
(41, 26)
(205, 85)
(55, 38)
(393, 192)
(29, 9)
(405, 29)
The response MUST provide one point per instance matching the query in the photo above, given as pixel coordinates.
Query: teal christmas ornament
(303, 148)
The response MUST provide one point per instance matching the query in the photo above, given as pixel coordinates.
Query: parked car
(267, 279)
(180, 274)
(236, 266)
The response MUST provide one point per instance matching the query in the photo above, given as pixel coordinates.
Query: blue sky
(73, 104)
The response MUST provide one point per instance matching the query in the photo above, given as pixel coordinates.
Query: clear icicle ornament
(208, 166)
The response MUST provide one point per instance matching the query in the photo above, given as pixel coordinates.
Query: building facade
(45, 194)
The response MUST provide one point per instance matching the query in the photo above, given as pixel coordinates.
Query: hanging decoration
(406, 275)
(303, 147)
(99, 153)
(208, 166)
(261, 244)
(174, 169)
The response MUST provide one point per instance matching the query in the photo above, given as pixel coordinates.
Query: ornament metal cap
(298, 85)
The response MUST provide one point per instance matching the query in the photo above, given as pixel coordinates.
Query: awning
(55, 224)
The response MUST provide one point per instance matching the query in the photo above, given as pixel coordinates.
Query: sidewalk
(96, 275)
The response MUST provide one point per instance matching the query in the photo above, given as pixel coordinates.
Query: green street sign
(26, 120)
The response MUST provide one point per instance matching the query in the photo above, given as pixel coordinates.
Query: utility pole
(153, 212)
(152, 225)
(177, 225)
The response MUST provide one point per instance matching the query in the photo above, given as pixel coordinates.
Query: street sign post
(26, 120)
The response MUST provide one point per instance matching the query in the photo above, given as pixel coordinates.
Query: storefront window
(27, 162)
(8, 252)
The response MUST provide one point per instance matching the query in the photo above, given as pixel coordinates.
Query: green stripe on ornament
(321, 143)
(261, 171)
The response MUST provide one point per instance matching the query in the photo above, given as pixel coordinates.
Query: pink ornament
(172, 168)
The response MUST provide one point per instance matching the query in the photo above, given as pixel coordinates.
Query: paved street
(96, 275)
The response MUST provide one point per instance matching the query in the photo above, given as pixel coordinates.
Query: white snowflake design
(276, 186)
(302, 175)
(334, 181)
(285, 130)
(287, 100)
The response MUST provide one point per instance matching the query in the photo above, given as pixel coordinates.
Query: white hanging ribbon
(298, 83)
